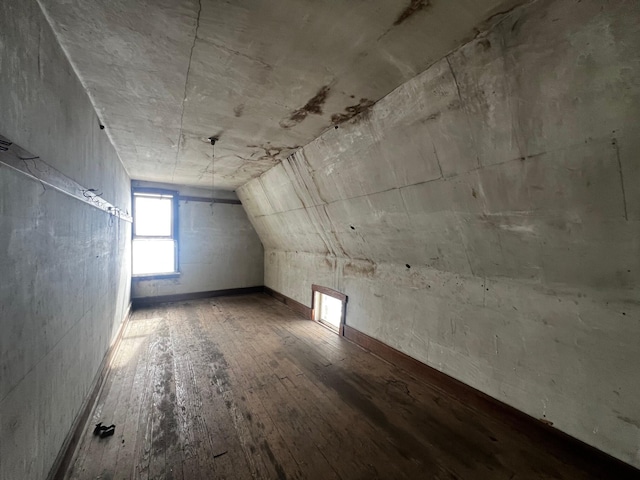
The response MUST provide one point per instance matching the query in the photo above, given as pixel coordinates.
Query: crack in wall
(614, 142)
(462, 106)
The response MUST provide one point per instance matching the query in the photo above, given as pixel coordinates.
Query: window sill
(154, 276)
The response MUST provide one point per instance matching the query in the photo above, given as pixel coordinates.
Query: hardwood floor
(241, 388)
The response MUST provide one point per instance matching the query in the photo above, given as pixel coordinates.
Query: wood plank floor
(241, 388)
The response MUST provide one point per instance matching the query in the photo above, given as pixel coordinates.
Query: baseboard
(290, 302)
(181, 297)
(65, 457)
(557, 443)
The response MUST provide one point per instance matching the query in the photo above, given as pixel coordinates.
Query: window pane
(153, 216)
(153, 256)
(328, 309)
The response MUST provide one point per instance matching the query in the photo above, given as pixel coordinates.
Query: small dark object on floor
(104, 431)
(108, 431)
(220, 454)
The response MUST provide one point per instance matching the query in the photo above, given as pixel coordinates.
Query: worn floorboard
(242, 388)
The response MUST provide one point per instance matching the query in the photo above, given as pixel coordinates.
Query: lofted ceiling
(263, 76)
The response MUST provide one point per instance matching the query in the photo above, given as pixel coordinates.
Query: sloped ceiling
(265, 77)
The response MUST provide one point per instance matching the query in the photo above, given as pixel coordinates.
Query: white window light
(154, 232)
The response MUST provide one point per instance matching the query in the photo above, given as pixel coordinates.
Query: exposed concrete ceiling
(264, 76)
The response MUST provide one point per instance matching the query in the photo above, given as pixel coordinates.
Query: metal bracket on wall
(32, 166)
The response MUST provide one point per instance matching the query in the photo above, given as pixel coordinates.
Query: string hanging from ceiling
(213, 141)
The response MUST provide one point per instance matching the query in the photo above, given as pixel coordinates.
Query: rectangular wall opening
(329, 308)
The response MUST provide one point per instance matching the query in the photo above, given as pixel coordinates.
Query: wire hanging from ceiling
(213, 141)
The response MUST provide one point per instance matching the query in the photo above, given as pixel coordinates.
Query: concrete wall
(64, 265)
(218, 247)
(484, 217)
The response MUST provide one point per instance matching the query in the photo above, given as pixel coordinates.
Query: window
(155, 227)
(329, 307)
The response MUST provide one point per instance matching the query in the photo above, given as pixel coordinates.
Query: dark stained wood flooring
(242, 388)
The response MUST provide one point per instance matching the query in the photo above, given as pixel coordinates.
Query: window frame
(330, 292)
(175, 217)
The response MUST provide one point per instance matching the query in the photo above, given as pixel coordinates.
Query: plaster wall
(484, 217)
(218, 247)
(64, 265)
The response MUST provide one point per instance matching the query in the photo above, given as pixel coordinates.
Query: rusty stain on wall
(413, 7)
(351, 111)
(361, 268)
(313, 106)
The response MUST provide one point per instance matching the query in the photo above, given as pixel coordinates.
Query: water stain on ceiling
(165, 76)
